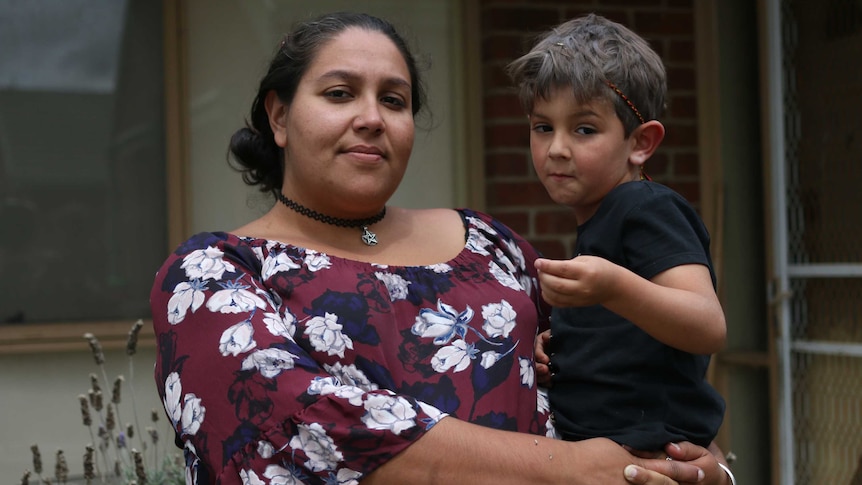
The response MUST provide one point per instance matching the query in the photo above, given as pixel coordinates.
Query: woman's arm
(455, 451)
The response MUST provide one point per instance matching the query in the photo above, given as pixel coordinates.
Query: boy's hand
(543, 372)
(582, 281)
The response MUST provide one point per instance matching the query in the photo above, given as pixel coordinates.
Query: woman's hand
(543, 372)
(681, 458)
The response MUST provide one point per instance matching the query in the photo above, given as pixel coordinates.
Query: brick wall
(514, 193)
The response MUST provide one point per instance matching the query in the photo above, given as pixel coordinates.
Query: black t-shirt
(611, 378)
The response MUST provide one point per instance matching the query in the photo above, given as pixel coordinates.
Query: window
(82, 160)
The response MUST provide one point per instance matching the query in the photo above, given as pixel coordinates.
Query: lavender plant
(110, 457)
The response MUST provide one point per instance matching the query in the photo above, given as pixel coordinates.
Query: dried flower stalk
(96, 348)
(85, 410)
(139, 467)
(61, 469)
(132, 343)
(37, 459)
(115, 394)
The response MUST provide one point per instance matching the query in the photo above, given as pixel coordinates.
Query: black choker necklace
(368, 237)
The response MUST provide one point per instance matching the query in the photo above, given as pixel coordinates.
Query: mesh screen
(822, 45)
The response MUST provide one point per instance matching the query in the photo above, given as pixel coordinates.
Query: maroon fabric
(283, 365)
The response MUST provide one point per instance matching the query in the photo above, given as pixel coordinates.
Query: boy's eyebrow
(574, 114)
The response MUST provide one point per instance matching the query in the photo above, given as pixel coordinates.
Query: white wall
(39, 405)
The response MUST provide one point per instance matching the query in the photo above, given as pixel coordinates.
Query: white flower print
(443, 325)
(456, 356)
(527, 372)
(315, 261)
(542, 402)
(391, 413)
(477, 242)
(504, 277)
(490, 358)
(234, 298)
(237, 339)
(503, 258)
(346, 476)
(323, 385)
(206, 264)
(499, 319)
(435, 414)
(318, 446)
(481, 225)
(324, 333)
(173, 395)
(395, 284)
(187, 295)
(516, 253)
(280, 326)
(550, 430)
(265, 449)
(249, 477)
(350, 375)
(277, 263)
(269, 362)
(193, 414)
(440, 268)
(527, 282)
(280, 476)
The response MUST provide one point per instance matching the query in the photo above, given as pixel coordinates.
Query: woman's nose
(369, 117)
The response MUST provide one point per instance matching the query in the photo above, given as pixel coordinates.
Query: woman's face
(348, 132)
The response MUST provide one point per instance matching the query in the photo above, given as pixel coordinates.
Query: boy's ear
(276, 111)
(646, 139)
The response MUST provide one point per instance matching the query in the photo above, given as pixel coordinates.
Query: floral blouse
(281, 365)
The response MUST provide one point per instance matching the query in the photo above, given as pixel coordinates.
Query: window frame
(62, 336)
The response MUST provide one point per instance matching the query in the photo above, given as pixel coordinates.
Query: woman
(336, 339)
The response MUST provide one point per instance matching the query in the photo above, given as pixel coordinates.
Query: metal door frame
(783, 269)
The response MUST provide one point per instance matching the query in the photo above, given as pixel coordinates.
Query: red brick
(678, 135)
(682, 78)
(517, 194)
(511, 164)
(503, 106)
(686, 164)
(651, 23)
(557, 222)
(525, 19)
(682, 106)
(517, 221)
(689, 190)
(508, 135)
(680, 50)
(504, 46)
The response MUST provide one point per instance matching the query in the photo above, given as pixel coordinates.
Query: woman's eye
(394, 101)
(337, 93)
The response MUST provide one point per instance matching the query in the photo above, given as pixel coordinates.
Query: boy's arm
(678, 307)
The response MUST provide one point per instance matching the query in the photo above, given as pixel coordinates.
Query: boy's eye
(585, 130)
(542, 128)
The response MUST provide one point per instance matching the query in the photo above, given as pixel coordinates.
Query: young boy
(636, 315)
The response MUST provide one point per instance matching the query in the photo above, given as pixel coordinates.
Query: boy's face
(579, 150)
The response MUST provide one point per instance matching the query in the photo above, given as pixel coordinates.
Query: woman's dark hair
(253, 147)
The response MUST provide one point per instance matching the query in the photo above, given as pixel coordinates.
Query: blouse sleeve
(248, 403)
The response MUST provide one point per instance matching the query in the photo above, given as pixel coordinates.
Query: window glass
(82, 159)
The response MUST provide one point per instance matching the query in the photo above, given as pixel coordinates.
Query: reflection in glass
(82, 164)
